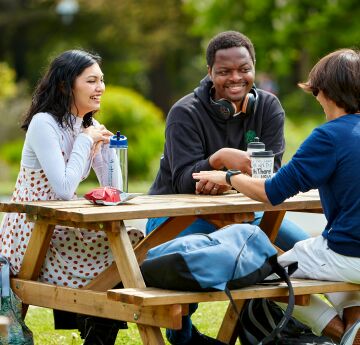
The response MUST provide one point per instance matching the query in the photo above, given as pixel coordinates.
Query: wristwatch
(231, 173)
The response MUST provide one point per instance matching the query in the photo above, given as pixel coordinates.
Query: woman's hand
(96, 148)
(106, 133)
(100, 136)
(98, 133)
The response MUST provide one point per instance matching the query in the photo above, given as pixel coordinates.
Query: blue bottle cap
(118, 141)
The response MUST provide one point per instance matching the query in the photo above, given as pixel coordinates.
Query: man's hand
(231, 159)
(207, 187)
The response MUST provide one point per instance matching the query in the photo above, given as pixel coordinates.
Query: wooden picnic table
(182, 210)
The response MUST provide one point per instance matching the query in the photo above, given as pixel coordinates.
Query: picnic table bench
(149, 308)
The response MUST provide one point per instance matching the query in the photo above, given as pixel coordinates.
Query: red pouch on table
(104, 195)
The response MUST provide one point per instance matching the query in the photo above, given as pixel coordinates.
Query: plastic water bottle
(255, 146)
(120, 144)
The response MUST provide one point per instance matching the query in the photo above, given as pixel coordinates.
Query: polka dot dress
(75, 256)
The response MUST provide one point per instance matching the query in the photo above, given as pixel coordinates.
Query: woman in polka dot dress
(62, 143)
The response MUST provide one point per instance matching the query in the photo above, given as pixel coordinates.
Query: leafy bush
(7, 81)
(125, 110)
(11, 152)
(299, 105)
(141, 122)
(13, 102)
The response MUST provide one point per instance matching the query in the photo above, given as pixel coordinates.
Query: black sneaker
(198, 338)
(99, 331)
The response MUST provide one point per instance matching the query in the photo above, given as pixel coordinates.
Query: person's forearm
(254, 188)
(231, 158)
(216, 161)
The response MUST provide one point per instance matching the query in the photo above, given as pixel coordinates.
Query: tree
(144, 46)
(289, 35)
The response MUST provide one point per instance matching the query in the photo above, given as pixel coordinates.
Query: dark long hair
(53, 93)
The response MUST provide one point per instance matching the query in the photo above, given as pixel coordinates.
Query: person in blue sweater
(329, 161)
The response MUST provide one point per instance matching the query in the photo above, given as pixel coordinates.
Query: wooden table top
(146, 206)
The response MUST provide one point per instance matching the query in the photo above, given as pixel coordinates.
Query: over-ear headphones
(226, 109)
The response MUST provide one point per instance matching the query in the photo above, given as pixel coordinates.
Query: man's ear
(209, 71)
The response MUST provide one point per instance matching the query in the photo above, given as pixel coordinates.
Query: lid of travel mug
(260, 154)
(256, 145)
(118, 141)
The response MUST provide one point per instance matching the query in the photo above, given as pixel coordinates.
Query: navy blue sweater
(329, 159)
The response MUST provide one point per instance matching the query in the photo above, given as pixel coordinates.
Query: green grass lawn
(40, 320)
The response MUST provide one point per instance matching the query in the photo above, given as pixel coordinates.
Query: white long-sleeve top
(65, 155)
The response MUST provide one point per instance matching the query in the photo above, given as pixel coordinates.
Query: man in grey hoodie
(209, 129)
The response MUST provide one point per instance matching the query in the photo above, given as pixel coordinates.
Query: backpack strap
(281, 271)
(284, 276)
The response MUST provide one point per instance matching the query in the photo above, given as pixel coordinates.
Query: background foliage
(153, 54)
(155, 50)
(140, 121)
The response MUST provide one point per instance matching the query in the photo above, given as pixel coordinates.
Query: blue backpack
(233, 257)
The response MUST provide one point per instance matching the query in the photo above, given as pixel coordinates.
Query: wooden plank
(228, 331)
(224, 219)
(147, 206)
(36, 250)
(106, 280)
(270, 223)
(165, 232)
(124, 256)
(97, 226)
(130, 274)
(154, 296)
(299, 299)
(191, 207)
(150, 335)
(94, 303)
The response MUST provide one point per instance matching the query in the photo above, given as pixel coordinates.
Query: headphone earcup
(226, 109)
(248, 106)
(223, 107)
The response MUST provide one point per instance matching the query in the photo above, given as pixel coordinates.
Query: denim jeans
(289, 234)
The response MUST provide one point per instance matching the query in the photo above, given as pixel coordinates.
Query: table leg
(270, 223)
(130, 274)
(35, 254)
(165, 232)
(228, 331)
(36, 250)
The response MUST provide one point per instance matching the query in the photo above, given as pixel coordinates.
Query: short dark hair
(54, 94)
(226, 40)
(337, 75)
